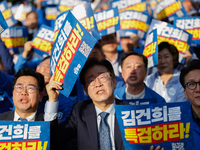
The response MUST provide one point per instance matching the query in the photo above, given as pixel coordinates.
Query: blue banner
(51, 12)
(144, 101)
(70, 52)
(175, 36)
(50, 2)
(65, 5)
(3, 24)
(14, 38)
(108, 21)
(151, 49)
(169, 9)
(191, 25)
(137, 5)
(167, 125)
(7, 14)
(43, 40)
(134, 22)
(34, 135)
(84, 14)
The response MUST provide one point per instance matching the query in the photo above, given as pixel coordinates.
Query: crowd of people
(109, 76)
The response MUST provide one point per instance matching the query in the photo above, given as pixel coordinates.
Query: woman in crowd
(166, 80)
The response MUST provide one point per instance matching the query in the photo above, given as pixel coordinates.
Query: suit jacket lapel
(91, 121)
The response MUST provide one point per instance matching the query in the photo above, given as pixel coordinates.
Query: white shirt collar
(29, 118)
(110, 110)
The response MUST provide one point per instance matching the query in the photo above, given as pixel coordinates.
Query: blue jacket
(120, 94)
(172, 91)
(196, 131)
(24, 63)
(6, 103)
(7, 59)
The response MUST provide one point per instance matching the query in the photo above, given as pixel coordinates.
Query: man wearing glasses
(190, 80)
(28, 87)
(92, 122)
(84, 123)
(134, 70)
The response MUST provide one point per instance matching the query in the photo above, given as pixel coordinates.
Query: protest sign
(169, 9)
(144, 101)
(69, 4)
(153, 4)
(25, 135)
(43, 40)
(175, 36)
(14, 38)
(51, 12)
(49, 2)
(167, 125)
(151, 49)
(134, 22)
(84, 14)
(3, 24)
(7, 14)
(70, 52)
(137, 5)
(108, 21)
(20, 11)
(191, 25)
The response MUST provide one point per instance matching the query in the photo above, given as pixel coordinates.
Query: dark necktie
(22, 120)
(104, 133)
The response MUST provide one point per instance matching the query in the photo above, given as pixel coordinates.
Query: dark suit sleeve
(63, 132)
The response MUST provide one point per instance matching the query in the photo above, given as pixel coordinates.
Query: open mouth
(100, 92)
(23, 100)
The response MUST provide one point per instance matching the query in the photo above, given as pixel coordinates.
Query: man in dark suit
(86, 121)
(99, 82)
(28, 87)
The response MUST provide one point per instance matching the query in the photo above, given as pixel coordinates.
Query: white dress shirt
(29, 118)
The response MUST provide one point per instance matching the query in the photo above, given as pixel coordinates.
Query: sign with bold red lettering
(167, 125)
(70, 51)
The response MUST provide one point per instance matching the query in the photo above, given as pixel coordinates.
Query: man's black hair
(91, 62)
(135, 54)
(193, 65)
(30, 72)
